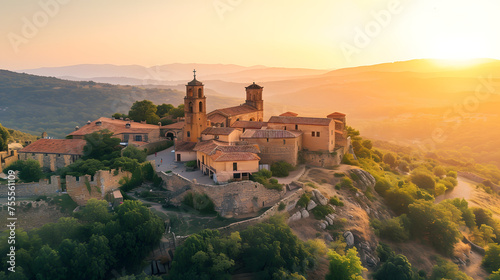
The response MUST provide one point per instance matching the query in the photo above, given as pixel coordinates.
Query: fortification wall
(43, 187)
(230, 200)
(7, 158)
(83, 188)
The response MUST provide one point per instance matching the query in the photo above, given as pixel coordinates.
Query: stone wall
(100, 184)
(51, 162)
(43, 187)
(230, 200)
(323, 159)
(275, 150)
(7, 158)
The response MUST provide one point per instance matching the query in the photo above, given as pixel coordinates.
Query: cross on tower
(194, 71)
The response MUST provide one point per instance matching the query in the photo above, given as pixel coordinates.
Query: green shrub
(281, 169)
(304, 200)
(200, 202)
(336, 201)
(339, 175)
(281, 206)
(349, 159)
(321, 211)
(191, 164)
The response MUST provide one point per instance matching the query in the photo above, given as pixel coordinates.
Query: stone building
(251, 110)
(223, 134)
(7, 158)
(244, 125)
(318, 134)
(128, 132)
(275, 145)
(223, 162)
(54, 153)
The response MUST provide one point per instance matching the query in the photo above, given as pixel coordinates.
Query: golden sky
(324, 34)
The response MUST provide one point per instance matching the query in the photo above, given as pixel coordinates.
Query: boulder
(311, 205)
(328, 237)
(363, 179)
(330, 221)
(295, 217)
(349, 238)
(304, 213)
(322, 225)
(320, 198)
(370, 260)
(365, 246)
(331, 216)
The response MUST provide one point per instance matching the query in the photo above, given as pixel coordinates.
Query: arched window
(190, 107)
(251, 119)
(190, 92)
(200, 105)
(188, 134)
(199, 93)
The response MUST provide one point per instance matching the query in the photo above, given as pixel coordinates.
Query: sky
(321, 34)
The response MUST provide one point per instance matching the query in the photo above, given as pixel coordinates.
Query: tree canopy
(144, 110)
(4, 137)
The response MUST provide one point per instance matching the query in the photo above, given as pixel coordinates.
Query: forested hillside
(35, 104)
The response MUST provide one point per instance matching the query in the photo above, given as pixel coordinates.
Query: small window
(235, 166)
(284, 128)
(45, 154)
(313, 134)
(138, 138)
(296, 127)
(189, 134)
(58, 155)
(317, 134)
(32, 154)
(237, 176)
(284, 141)
(267, 139)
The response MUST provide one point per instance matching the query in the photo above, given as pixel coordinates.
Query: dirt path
(464, 189)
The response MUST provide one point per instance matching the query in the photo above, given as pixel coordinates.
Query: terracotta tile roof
(270, 133)
(289, 114)
(236, 110)
(177, 125)
(300, 120)
(185, 146)
(56, 146)
(336, 115)
(116, 126)
(220, 151)
(220, 156)
(249, 124)
(117, 194)
(216, 118)
(218, 130)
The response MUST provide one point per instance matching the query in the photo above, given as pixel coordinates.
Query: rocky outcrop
(349, 238)
(304, 213)
(362, 179)
(320, 198)
(311, 205)
(295, 217)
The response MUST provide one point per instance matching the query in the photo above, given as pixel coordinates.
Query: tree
(47, 265)
(125, 163)
(95, 211)
(396, 268)
(344, 267)
(491, 260)
(164, 109)
(423, 181)
(433, 223)
(390, 159)
(177, 112)
(439, 171)
(144, 110)
(495, 275)
(4, 137)
(447, 270)
(101, 145)
(29, 170)
(134, 153)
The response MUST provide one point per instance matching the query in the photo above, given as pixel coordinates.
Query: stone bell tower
(195, 110)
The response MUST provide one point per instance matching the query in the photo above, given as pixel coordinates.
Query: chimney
(127, 125)
(77, 127)
(89, 122)
(98, 123)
